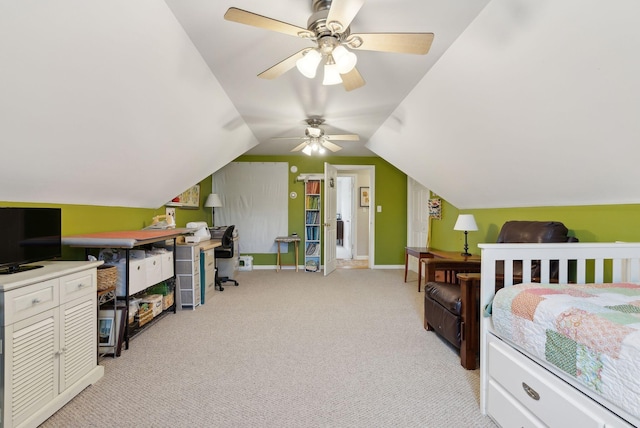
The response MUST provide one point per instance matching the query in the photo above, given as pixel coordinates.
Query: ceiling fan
(316, 140)
(328, 27)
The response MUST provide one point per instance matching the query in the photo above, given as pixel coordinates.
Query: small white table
(286, 240)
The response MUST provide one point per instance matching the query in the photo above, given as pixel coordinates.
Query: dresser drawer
(27, 301)
(187, 267)
(77, 285)
(540, 392)
(209, 260)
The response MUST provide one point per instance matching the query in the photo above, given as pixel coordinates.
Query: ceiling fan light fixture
(345, 60)
(321, 150)
(308, 64)
(307, 150)
(331, 73)
(313, 132)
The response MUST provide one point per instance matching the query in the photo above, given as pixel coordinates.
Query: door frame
(372, 206)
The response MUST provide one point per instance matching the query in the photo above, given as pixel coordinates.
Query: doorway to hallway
(345, 220)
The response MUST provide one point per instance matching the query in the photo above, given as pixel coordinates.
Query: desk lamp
(213, 201)
(466, 222)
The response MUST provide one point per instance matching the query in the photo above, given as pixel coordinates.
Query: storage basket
(167, 301)
(107, 277)
(144, 315)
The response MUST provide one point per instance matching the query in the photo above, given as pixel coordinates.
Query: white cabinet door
(78, 340)
(31, 366)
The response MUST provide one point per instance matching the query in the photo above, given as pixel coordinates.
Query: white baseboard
(301, 267)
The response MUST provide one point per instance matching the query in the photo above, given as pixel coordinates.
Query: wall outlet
(379, 208)
(170, 211)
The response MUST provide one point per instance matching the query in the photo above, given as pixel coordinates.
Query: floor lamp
(213, 201)
(466, 222)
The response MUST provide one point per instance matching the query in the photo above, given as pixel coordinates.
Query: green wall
(591, 223)
(77, 219)
(390, 192)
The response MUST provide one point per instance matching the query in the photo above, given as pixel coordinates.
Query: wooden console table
(453, 262)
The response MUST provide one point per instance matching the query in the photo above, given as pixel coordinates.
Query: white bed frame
(515, 389)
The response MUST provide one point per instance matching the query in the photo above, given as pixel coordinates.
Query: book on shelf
(312, 202)
(313, 187)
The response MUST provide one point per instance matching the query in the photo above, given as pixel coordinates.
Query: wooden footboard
(578, 263)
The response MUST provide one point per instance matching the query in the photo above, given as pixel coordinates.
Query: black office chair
(225, 251)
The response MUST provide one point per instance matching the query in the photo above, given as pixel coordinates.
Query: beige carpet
(287, 349)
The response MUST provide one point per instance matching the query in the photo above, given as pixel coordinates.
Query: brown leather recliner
(448, 312)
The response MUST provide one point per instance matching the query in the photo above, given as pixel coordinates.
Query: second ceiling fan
(316, 140)
(328, 27)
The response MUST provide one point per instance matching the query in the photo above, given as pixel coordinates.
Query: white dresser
(49, 339)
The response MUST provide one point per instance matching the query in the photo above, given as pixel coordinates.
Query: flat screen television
(28, 235)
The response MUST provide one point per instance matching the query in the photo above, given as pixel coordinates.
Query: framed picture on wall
(364, 196)
(190, 198)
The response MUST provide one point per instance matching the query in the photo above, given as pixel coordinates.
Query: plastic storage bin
(245, 263)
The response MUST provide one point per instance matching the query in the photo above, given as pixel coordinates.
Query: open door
(330, 203)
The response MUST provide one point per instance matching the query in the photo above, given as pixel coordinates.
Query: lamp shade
(308, 64)
(466, 222)
(213, 201)
(345, 60)
(331, 73)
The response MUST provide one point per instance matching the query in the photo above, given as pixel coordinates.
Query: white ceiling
(236, 53)
(518, 103)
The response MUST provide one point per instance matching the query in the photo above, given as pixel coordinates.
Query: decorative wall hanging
(187, 199)
(364, 196)
(435, 208)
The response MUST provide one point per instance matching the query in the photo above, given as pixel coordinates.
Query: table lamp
(466, 222)
(213, 201)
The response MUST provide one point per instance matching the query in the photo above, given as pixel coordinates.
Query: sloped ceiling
(536, 104)
(107, 103)
(525, 102)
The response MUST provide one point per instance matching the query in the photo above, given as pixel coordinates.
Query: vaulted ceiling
(518, 102)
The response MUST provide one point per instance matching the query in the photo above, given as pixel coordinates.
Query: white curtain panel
(255, 198)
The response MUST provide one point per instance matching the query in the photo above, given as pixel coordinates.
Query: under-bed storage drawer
(544, 395)
(513, 415)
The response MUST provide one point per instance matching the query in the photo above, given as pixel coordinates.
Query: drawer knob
(35, 301)
(530, 391)
(80, 285)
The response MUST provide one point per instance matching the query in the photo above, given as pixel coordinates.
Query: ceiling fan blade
(300, 147)
(283, 66)
(411, 43)
(352, 80)
(329, 145)
(344, 137)
(249, 18)
(343, 12)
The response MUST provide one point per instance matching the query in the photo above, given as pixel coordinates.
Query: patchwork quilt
(591, 332)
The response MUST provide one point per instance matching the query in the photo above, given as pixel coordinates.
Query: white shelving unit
(312, 226)
(188, 275)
